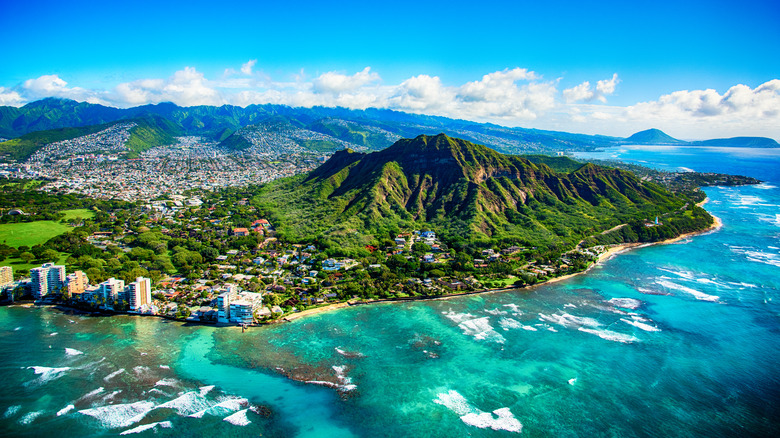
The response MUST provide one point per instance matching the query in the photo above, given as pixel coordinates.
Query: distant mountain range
(316, 129)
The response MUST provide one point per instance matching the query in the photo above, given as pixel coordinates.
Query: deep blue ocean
(679, 340)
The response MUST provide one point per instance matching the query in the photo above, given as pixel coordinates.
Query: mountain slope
(652, 136)
(466, 192)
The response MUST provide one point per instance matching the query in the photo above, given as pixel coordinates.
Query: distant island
(658, 137)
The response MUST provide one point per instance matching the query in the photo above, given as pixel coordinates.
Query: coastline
(610, 252)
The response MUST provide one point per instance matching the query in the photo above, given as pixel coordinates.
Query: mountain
(149, 131)
(652, 136)
(741, 142)
(371, 128)
(468, 193)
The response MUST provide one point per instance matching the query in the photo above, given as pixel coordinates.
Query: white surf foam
(478, 328)
(187, 403)
(232, 403)
(167, 382)
(11, 411)
(609, 335)
(496, 312)
(238, 419)
(30, 417)
(509, 323)
(696, 294)
(65, 410)
(568, 320)
(17, 329)
(119, 415)
(626, 303)
(139, 370)
(205, 390)
(514, 309)
(569, 306)
(165, 367)
(114, 374)
(53, 334)
(92, 393)
(48, 373)
(499, 419)
(73, 352)
(641, 325)
(572, 381)
(145, 427)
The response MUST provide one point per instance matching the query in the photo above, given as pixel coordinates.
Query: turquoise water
(667, 340)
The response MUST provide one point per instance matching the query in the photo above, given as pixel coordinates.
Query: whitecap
(187, 403)
(167, 382)
(626, 303)
(696, 294)
(499, 419)
(609, 335)
(569, 306)
(144, 427)
(641, 325)
(231, 403)
(514, 308)
(48, 373)
(568, 320)
(509, 323)
(12, 410)
(165, 367)
(73, 352)
(119, 415)
(53, 334)
(572, 381)
(478, 328)
(30, 417)
(17, 329)
(92, 393)
(114, 374)
(205, 389)
(65, 410)
(238, 419)
(496, 312)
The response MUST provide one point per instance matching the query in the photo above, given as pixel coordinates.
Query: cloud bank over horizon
(509, 97)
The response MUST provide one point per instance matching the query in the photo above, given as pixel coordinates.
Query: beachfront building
(223, 302)
(47, 279)
(111, 290)
(139, 294)
(6, 275)
(77, 283)
(242, 310)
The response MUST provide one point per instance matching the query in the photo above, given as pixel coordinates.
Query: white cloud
(54, 86)
(583, 92)
(511, 97)
(246, 68)
(335, 83)
(186, 87)
(10, 98)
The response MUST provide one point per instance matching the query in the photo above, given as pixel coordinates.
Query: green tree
(27, 256)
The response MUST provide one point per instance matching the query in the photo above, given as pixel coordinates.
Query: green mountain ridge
(652, 136)
(466, 192)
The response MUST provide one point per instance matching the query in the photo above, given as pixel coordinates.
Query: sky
(695, 69)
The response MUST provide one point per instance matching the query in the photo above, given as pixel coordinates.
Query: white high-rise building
(223, 302)
(6, 275)
(111, 290)
(139, 293)
(46, 279)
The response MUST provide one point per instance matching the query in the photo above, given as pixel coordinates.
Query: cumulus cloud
(739, 102)
(584, 92)
(335, 83)
(10, 98)
(186, 87)
(54, 86)
(246, 68)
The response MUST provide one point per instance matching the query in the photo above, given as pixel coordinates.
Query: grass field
(82, 213)
(30, 233)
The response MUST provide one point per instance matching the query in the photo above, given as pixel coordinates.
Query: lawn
(30, 233)
(82, 213)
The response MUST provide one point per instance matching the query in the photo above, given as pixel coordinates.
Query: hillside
(148, 132)
(468, 193)
(652, 136)
(741, 142)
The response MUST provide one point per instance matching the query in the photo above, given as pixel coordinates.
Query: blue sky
(511, 63)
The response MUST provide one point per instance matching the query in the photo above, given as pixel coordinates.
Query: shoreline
(610, 252)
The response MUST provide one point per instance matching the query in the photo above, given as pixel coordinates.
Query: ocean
(666, 340)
